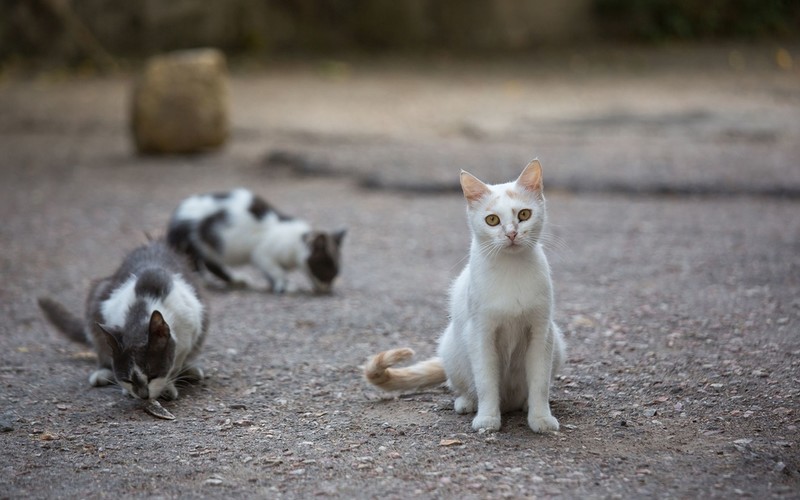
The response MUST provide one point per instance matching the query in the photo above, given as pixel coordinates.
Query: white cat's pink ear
(531, 177)
(473, 188)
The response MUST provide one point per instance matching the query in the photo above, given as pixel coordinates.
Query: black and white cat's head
(322, 262)
(142, 368)
(508, 217)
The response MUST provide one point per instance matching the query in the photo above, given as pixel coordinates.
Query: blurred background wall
(73, 30)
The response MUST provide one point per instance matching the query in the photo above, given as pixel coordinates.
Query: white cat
(501, 348)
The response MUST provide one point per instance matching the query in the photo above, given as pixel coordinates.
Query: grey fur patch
(154, 282)
(259, 207)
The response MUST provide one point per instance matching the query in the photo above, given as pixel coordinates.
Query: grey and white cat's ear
(474, 189)
(112, 341)
(314, 239)
(158, 330)
(338, 236)
(531, 177)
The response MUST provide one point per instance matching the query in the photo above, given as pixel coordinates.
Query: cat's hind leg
(219, 271)
(465, 404)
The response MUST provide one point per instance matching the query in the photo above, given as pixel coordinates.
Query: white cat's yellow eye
(492, 220)
(524, 214)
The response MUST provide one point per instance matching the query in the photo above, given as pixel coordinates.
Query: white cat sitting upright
(218, 230)
(502, 347)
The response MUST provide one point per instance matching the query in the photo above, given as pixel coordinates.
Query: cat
(146, 322)
(217, 230)
(501, 348)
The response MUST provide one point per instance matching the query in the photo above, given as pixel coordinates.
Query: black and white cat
(147, 323)
(218, 230)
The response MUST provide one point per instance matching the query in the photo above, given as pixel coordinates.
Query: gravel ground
(675, 246)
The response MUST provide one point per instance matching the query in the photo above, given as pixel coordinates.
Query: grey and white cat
(218, 230)
(147, 323)
(501, 348)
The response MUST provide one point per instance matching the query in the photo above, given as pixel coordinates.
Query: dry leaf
(154, 408)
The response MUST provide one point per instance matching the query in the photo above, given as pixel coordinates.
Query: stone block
(180, 103)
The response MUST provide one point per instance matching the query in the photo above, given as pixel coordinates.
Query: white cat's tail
(379, 373)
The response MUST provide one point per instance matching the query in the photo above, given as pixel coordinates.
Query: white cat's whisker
(459, 261)
(555, 243)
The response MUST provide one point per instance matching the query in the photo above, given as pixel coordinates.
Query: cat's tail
(379, 373)
(182, 236)
(66, 322)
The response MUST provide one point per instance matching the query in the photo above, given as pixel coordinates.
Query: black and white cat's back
(225, 223)
(238, 227)
(147, 323)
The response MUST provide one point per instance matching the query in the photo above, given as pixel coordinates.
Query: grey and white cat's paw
(169, 392)
(101, 377)
(192, 373)
(489, 423)
(275, 285)
(284, 286)
(543, 423)
(279, 283)
(464, 405)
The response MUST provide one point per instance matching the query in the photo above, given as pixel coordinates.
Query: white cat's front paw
(464, 405)
(546, 423)
(490, 423)
(101, 377)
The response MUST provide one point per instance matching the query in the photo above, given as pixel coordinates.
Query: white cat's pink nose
(511, 235)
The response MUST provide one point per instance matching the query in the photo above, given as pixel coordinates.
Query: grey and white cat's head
(322, 261)
(143, 352)
(506, 218)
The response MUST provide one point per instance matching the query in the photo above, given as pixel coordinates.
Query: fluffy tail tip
(376, 368)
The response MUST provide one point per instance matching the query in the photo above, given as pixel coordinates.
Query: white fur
(201, 206)
(502, 347)
(283, 250)
(115, 308)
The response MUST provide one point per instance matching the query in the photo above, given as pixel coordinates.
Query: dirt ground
(673, 191)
